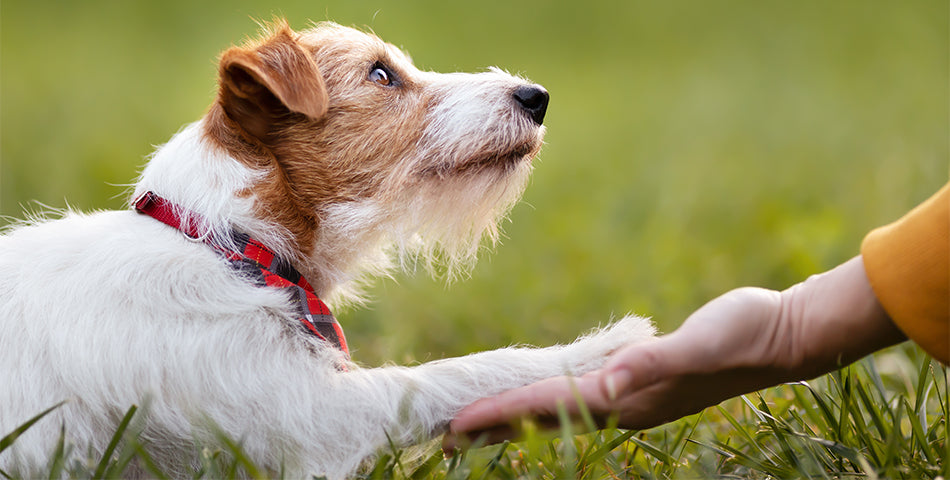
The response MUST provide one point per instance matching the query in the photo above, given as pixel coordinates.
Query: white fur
(112, 309)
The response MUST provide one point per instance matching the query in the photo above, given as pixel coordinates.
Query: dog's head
(355, 143)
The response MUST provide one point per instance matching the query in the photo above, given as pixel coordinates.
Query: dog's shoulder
(120, 256)
(75, 235)
(86, 264)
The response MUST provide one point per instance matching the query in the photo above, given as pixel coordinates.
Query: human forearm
(834, 320)
(742, 341)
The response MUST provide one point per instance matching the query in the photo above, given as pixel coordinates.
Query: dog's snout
(534, 100)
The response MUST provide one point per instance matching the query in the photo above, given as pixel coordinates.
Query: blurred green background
(692, 147)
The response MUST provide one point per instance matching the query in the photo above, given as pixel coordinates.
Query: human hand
(646, 384)
(747, 339)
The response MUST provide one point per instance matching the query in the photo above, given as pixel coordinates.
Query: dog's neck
(255, 261)
(202, 178)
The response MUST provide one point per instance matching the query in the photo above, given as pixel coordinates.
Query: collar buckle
(144, 201)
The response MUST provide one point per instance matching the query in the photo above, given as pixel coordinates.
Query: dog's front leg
(438, 390)
(334, 420)
(408, 405)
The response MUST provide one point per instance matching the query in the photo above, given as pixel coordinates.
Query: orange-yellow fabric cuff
(908, 266)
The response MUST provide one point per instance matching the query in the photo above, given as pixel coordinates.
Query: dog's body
(330, 148)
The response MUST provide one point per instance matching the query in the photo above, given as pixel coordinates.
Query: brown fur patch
(345, 153)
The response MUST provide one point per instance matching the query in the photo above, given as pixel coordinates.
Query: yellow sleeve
(908, 266)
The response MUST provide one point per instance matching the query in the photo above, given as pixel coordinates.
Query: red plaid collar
(259, 264)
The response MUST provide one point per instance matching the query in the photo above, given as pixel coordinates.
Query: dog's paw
(590, 351)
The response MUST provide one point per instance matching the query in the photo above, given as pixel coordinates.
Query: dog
(326, 159)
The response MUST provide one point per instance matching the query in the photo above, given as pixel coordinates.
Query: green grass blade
(894, 441)
(718, 451)
(209, 467)
(653, 451)
(849, 453)
(428, 466)
(454, 468)
(596, 440)
(240, 458)
(920, 440)
(683, 435)
(810, 408)
(110, 449)
(844, 383)
(609, 446)
(779, 432)
(944, 400)
(569, 452)
(742, 429)
(923, 383)
(872, 445)
(397, 453)
(850, 410)
(826, 411)
(146, 460)
(125, 458)
(59, 455)
(11, 437)
(587, 418)
(496, 460)
(383, 468)
(873, 408)
(818, 453)
(746, 460)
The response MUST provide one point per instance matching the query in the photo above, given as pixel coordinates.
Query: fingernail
(615, 382)
(611, 386)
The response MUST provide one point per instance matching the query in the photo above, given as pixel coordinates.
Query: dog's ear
(261, 84)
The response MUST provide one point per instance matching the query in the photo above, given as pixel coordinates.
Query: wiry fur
(338, 173)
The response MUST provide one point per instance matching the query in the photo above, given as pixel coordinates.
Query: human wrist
(834, 319)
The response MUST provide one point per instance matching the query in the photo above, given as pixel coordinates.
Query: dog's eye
(380, 74)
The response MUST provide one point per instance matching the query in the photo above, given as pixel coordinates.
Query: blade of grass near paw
(239, 456)
(107, 455)
(11, 437)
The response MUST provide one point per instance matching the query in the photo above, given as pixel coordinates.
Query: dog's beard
(447, 217)
(436, 222)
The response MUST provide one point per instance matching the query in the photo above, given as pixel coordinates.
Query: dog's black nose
(534, 100)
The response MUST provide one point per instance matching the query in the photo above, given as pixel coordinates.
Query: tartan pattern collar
(259, 264)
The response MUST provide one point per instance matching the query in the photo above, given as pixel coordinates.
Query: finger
(637, 366)
(539, 399)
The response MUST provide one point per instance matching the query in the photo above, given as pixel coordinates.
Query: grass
(883, 417)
